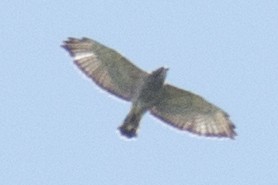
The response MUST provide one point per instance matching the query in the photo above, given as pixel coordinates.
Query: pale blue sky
(56, 128)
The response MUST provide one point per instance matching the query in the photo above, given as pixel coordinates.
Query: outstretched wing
(187, 111)
(105, 66)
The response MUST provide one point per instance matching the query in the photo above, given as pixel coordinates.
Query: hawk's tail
(131, 123)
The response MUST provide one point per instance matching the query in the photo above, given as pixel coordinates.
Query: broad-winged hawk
(147, 92)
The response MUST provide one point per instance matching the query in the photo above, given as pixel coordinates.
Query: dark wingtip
(66, 45)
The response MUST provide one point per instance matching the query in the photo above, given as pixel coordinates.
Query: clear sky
(57, 128)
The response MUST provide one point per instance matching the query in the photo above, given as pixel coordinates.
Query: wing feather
(187, 111)
(106, 67)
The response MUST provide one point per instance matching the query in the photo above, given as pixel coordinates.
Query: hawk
(147, 92)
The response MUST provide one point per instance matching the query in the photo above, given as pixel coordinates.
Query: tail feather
(131, 124)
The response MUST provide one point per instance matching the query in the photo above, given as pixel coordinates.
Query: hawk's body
(147, 92)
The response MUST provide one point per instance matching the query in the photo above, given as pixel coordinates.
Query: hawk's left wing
(187, 111)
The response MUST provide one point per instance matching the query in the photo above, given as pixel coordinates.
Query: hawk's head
(160, 74)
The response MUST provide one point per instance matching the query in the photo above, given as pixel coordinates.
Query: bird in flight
(147, 92)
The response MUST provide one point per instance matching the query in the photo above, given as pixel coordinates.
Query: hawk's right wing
(105, 66)
(187, 111)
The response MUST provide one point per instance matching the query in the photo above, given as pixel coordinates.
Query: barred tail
(131, 123)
